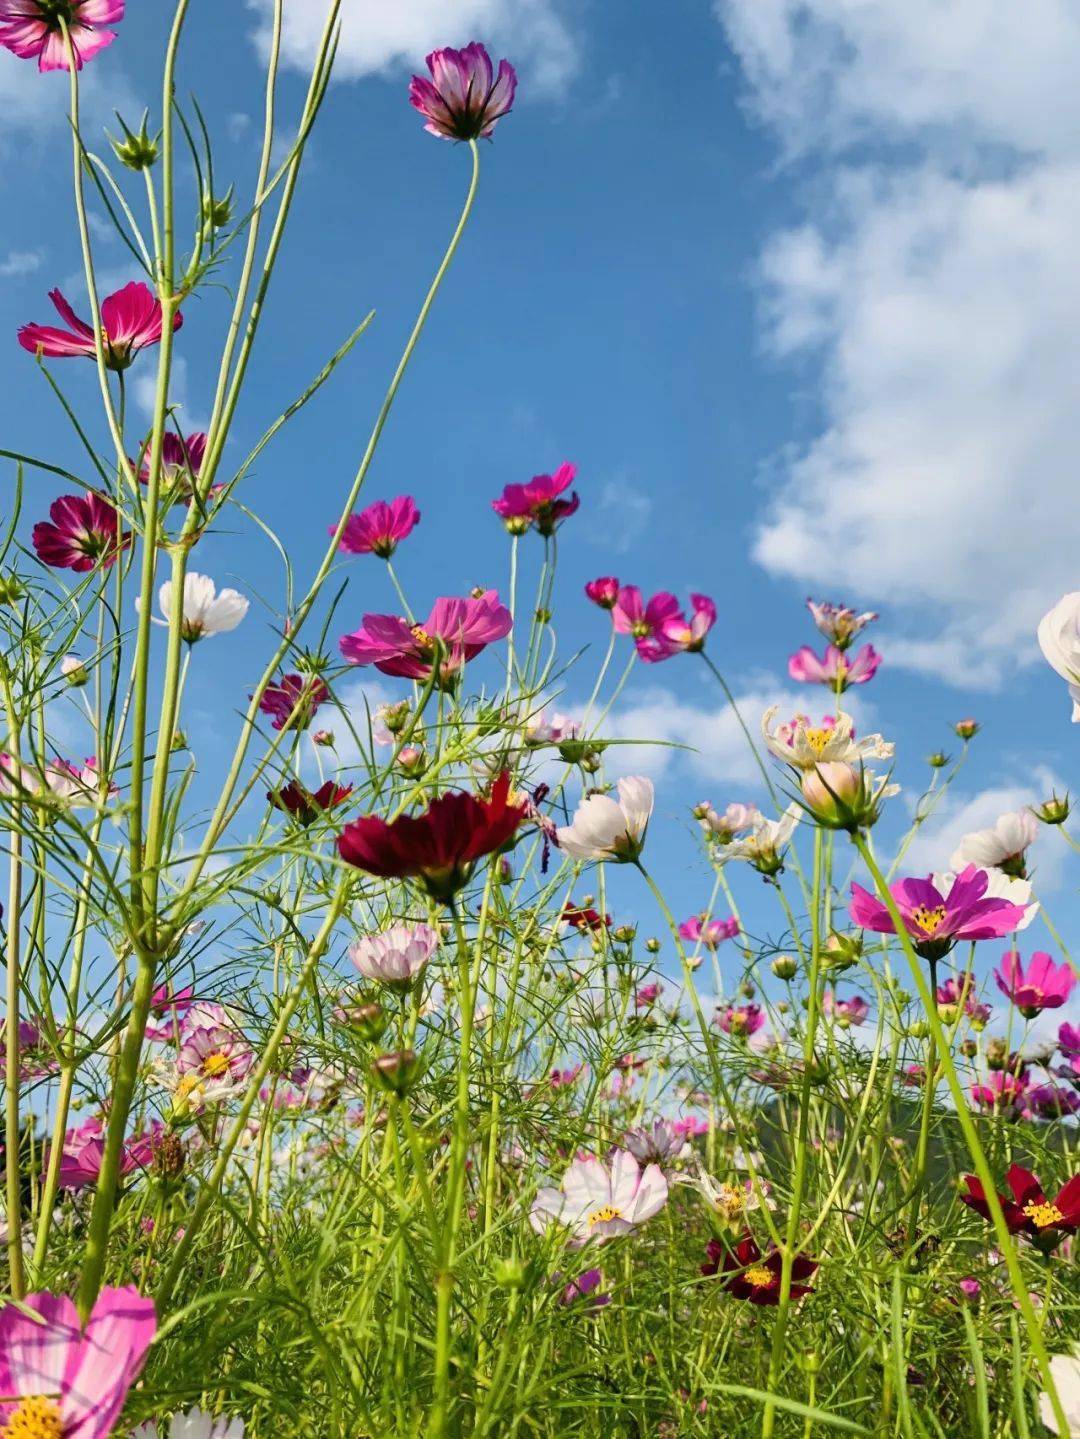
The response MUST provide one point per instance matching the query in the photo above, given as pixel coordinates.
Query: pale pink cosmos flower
(936, 915)
(732, 821)
(537, 504)
(1059, 640)
(656, 1143)
(1040, 985)
(31, 29)
(195, 1424)
(131, 319)
(61, 781)
(380, 528)
(82, 531)
(214, 1058)
(804, 745)
(834, 669)
(454, 632)
(1003, 1092)
(464, 99)
(396, 956)
(838, 623)
(206, 610)
(65, 1381)
(846, 1012)
(606, 829)
(598, 1201)
(700, 929)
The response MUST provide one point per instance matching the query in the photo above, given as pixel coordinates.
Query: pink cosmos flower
(31, 29)
(396, 956)
(691, 1127)
(181, 463)
(957, 991)
(81, 532)
(1049, 1101)
(293, 700)
(1069, 1040)
(741, 1020)
(834, 670)
(454, 632)
(62, 1380)
(582, 1291)
(130, 320)
(647, 995)
(603, 591)
(846, 1012)
(679, 635)
(537, 503)
(35, 1060)
(711, 933)
(936, 921)
(655, 1143)
(167, 1011)
(1043, 985)
(214, 1059)
(1003, 1093)
(599, 1201)
(645, 622)
(464, 99)
(84, 1149)
(838, 623)
(380, 528)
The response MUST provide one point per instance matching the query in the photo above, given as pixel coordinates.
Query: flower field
(368, 1083)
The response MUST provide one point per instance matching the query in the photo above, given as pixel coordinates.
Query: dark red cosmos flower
(748, 1274)
(81, 532)
(304, 805)
(439, 847)
(1046, 1221)
(583, 919)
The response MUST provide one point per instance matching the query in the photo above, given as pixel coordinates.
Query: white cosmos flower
(195, 1424)
(599, 1201)
(206, 612)
(604, 829)
(762, 846)
(396, 956)
(1059, 640)
(999, 885)
(804, 745)
(995, 848)
(1065, 1371)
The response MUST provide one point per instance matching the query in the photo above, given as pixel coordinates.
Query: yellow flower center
(640, 628)
(215, 1065)
(1044, 1214)
(422, 638)
(729, 1201)
(928, 920)
(34, 1418)
(817, 739)
(603, 1214)
(760, 1277)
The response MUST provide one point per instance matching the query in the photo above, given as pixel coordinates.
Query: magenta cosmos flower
(834, 669)
(464, 97)
(631, 615)
(699, 929)
(293, 700)
(130, 321)
(679, 635)
(61, 1381)
(846, 1012)
(1042, 985)
(81, 532)
(31, 29)
(537, 504)
(380, 528)
(603, 591)
(741, 1020)
(936, 921)
(84, 1150)
(181, 462)
(455, 631)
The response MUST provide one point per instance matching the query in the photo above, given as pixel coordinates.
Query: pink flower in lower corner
(66, 1382)
(537, 504)
(131, 319)
(598, 1201)
(293, 700)
(464, 98)
(834, 670)
(31, 29)
(711, 933)
(454, 632)
(82, 531)
(936, 918)
(380, 528)
(1041, 985)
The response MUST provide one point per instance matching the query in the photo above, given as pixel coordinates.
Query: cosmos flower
(598, 1201)
(1059, 640)
(195, 1424)
(131, 319)
(700, 929)
(306, 806)
(537, 503)
(606, 829)
(846, 1012)
(293, 700)
(679, 635)
(1003, 846)
(464, 98)
(1049, 1101)
(206, 612)
(84, 1149)
(440, 847)
(844, 796)
(380, 528)
(959, 991)
(167, 1011)
(725, 826)
(582, 1292)
(181, 461)
(31, 30)
(647, 995)
(740, 1020)
(1029, 1211)
(584, 919)
(834, 670)
(61, 1381)
(765, 844)
(82, 531)
(1065, 1372)
(1003, 1093)
(656, 1143)
(936, 918)
(1042, 985)
(839, 624)
(63, 782)
(631, 615)
(397, 955)
(603, 591)
(214, 1058)
(748, 1274)
(454, 632)
(804, 746)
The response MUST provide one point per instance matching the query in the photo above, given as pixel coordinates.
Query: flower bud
(997, 1053)
(508, 1273)
(968, 1048)
(74, 671)
(784, 966)
(966, 729)
(918, 1029)
(179, 741)
(1052, 810)
(603, 592)
(397, 1072)
(517, 524)
(368, 1020)
(410, 759)
(217, 212)
(842, 951)
(324, 738)
(938, 760)
(11, 589)
(624, 933)
(652, 945)
(168, 1156)
(136, 151)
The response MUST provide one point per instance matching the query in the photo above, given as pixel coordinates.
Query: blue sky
(793, 286)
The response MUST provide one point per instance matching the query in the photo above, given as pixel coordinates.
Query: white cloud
(377, 38)
(934, 292)
(20, 262)
(144, 389)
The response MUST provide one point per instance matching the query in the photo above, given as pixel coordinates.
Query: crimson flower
(537, 503)
(748, 1274)
(440, 847)
(181, 461)
(380, 528)
(306, 806)
(81, 532)
(130, 320)
(464, 98)
(583, 919)
(31, 29)
(293, 700)
(1029, 1211)
(455, 631)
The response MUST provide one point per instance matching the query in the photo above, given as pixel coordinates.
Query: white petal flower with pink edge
(1059, 640)
(1002, 846)
(598, 1201)
(604, 828)
(805, 745)
(396, 956)
(195, 1424)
